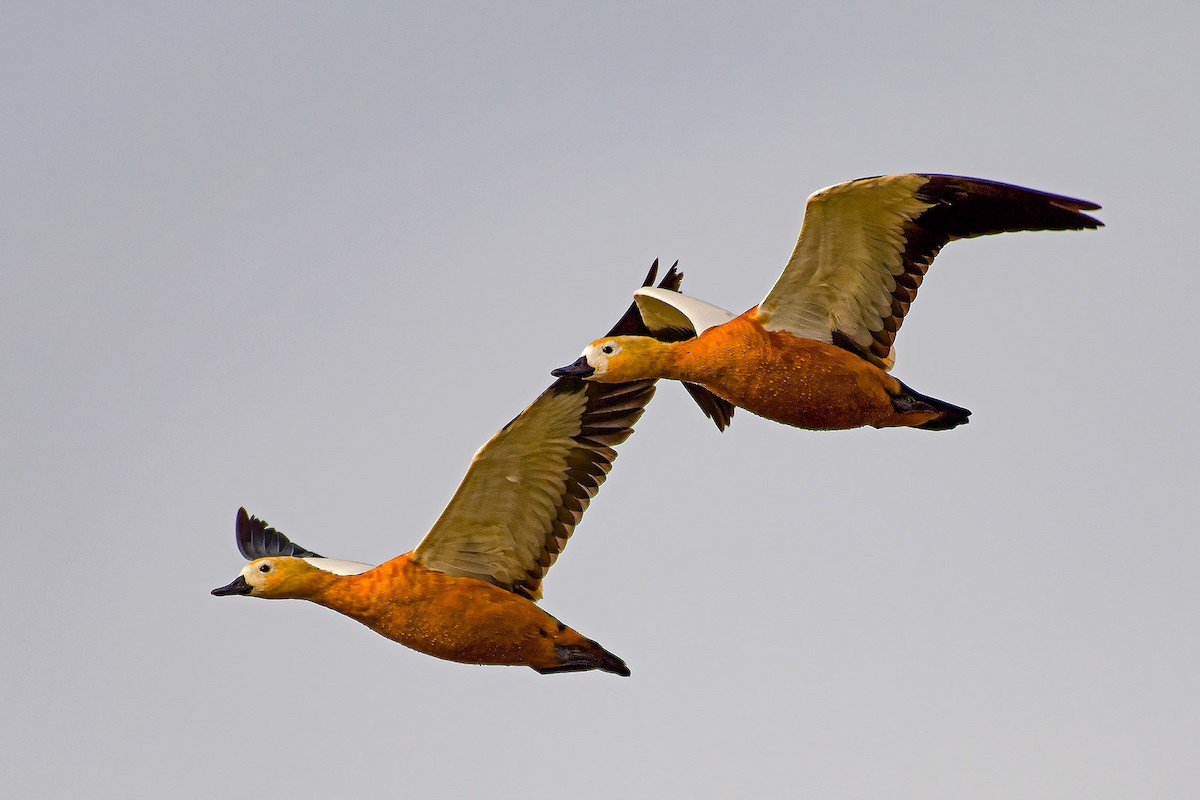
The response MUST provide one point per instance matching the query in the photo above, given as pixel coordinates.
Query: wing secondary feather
(527, 488)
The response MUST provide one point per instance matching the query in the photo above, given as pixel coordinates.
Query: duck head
(279, 568)
(275, 578)
(617, 359)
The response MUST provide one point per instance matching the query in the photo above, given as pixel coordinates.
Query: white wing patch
(666, 310)
(339, 567)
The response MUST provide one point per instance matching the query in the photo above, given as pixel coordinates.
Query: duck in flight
(468, 591)
(817, 352)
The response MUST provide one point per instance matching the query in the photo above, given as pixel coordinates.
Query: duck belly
(799, 382)
(483, 624)
(465, 620)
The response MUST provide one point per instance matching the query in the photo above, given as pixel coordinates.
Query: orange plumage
(458, 619)
(786, 378)
(468, 591)
(816, 352)
(791, 379)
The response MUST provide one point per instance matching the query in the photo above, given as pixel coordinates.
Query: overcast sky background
(307, 258)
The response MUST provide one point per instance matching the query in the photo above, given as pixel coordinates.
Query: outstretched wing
(865, 245)
(527, 488)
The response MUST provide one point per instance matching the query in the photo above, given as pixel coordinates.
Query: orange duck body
(797, 381)
(817, 351)
(468, 592)
(455, 618)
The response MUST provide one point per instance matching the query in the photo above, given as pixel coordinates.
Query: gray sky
(307, 258)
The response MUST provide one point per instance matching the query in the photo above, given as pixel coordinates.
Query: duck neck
(357, 596)
(672, 359)
(662, 360)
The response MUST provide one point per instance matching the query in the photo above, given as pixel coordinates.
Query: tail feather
(949, 415)
(582, 658)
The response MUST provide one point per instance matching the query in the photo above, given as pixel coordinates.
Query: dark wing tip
(672, 280)
(962, 208)
(630, 323)
(650, 276)
(256, 540)
(966, 207)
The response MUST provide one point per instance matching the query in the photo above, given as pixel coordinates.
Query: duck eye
(264, 568)
(607, 349)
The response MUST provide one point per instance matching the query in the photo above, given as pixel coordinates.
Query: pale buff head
(278, 567)
(275, 578)
(618, 359)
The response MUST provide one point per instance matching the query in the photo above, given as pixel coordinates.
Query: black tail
(949, 416)
(580, 658)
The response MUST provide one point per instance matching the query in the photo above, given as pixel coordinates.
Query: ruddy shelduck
(467, 592)
(816, 353)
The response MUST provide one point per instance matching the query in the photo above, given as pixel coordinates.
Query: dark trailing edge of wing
(964, 208)
(256, 540)
(609, 413)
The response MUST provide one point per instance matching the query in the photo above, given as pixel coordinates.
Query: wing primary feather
(630, 323)
(866, 245)
(256, 540)
(967, 207)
